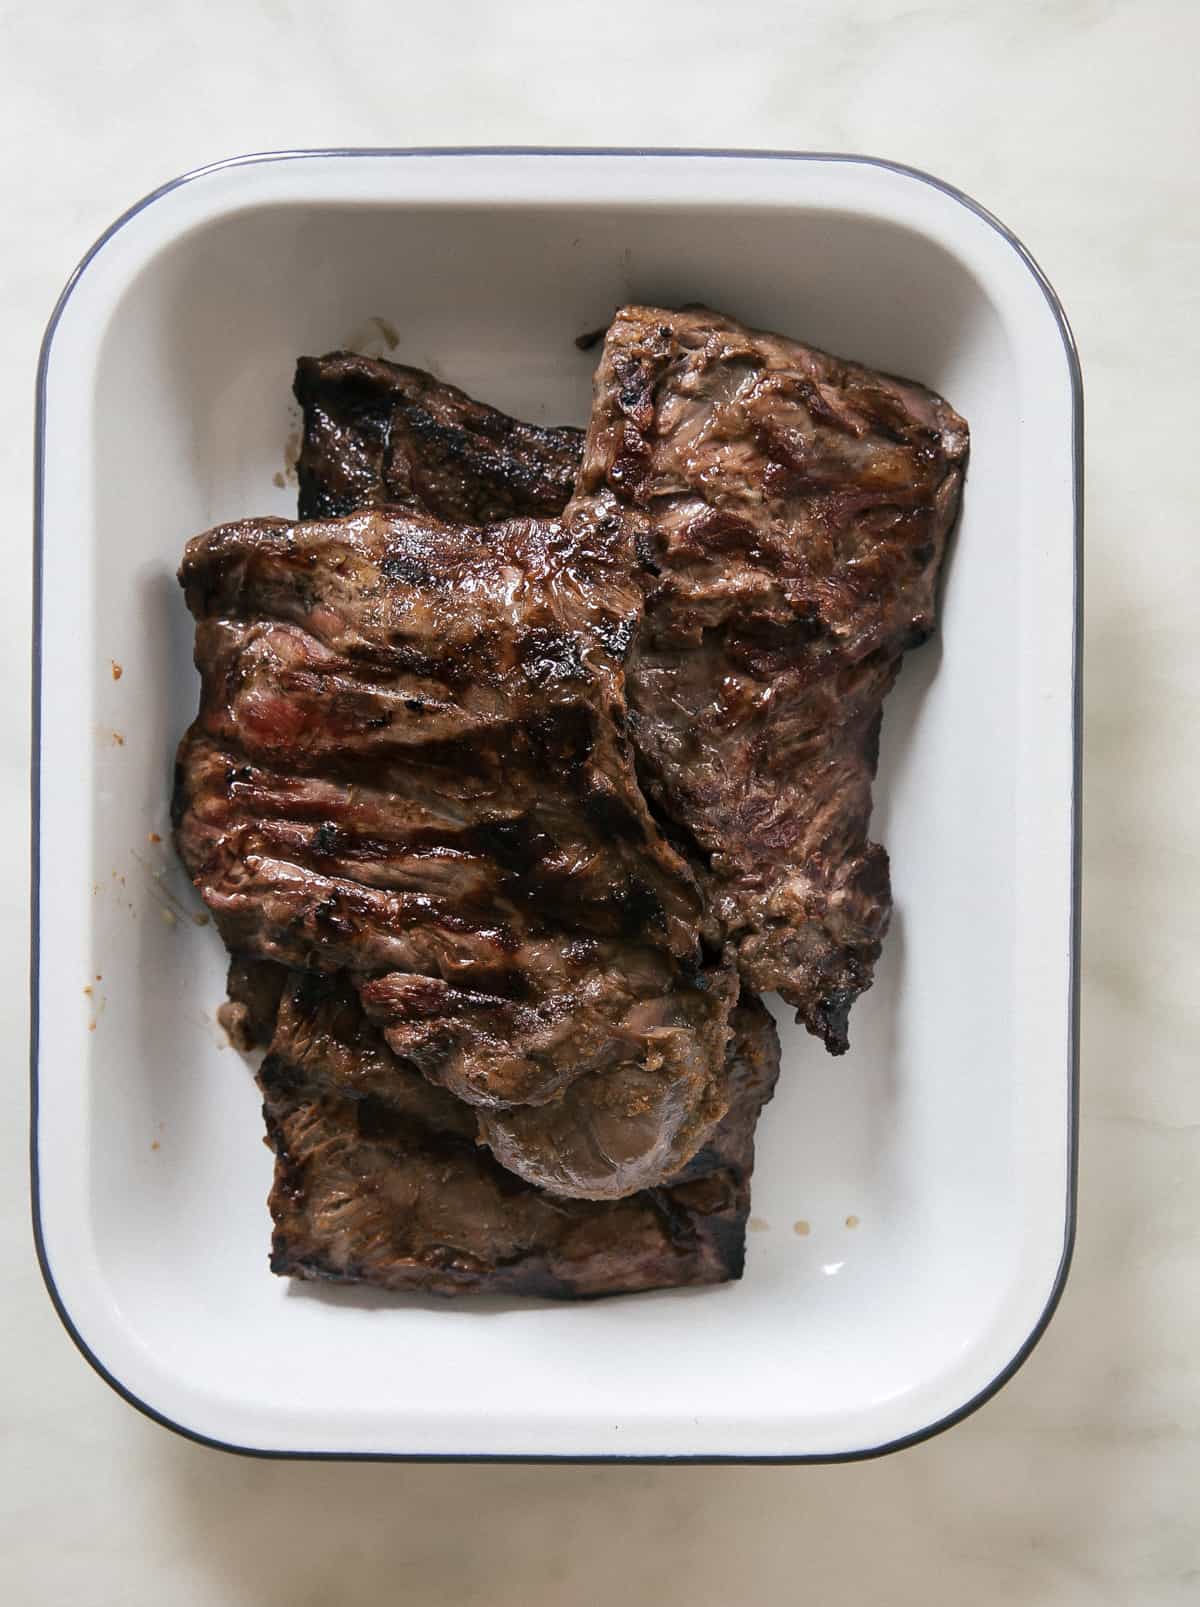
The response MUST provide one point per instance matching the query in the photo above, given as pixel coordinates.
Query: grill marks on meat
(398, 1194)
(790, 511)
(411, 763)
(469, 724)
(784, 514)
(413, 766)
(377, 434)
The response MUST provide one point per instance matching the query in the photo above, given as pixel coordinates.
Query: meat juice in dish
(519, 758)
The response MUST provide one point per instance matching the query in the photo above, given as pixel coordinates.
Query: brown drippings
(200, 918)
(278, 479)
(154, 1144)
(153, 837)
(88, 990)
(851, 1221)
(389, 332)
(117, 671)
(118, 741)
(757, 1224)
(291, 456)
(801, 1228)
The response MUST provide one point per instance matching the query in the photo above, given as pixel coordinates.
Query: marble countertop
(1076, 122)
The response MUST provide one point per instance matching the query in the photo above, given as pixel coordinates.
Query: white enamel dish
(945, 1139)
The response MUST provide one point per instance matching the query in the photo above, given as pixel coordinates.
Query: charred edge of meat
(829, 1019)
(351, 1176)
(379, 433)
(654, 1243)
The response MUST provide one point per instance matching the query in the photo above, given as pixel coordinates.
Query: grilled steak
(785, 514)
(790, 512)
(502, 1057)
(377, 434)
(399, 1195)
(410, 763)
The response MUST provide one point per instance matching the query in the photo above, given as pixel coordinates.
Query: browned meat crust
(784, 514)
(410, 763)
(400, 1196)
(414, 764)
(377, 434)
(790, 511)
(248, 1014)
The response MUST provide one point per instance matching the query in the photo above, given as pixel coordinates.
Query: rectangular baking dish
(914, 1201)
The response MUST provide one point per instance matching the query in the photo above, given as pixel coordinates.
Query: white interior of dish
(943, 1134)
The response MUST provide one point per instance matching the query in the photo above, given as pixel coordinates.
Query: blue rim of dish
(1022, 1355)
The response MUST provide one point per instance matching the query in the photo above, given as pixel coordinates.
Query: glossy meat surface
(399, 1194)
(783, 515)
(789, 512)
(411, 764)
(377, 434)
(501, 780)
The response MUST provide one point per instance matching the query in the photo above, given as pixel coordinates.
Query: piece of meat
(454, 689)
(248, 1014)
(324, 1044)
(411, 763)
(613, 1131)
(790, 512)
(377, 434)
(399, 1195)
(637, 1079)
(785, 514)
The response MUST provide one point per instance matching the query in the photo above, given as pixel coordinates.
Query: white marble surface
(1076, 121)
